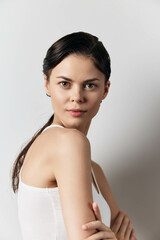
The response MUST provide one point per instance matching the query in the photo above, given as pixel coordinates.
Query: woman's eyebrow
(70, 80)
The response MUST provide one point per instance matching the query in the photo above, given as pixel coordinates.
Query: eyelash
(85, 84)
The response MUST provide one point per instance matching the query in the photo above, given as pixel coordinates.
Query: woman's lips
(76, 113)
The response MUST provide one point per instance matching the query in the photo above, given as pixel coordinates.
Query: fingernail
(95, 204)
(84, 227)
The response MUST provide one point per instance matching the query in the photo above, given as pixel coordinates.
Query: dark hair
(79, 43)
(75, 43)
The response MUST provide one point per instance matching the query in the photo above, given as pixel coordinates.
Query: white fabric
(40, 213)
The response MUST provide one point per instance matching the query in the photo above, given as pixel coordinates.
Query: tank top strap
(52, 125)
(94, 178)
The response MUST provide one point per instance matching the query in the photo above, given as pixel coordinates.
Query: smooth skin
(74, 83)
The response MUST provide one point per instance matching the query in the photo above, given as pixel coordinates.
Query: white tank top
(40, 214)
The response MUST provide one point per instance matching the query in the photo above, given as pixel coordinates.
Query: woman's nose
(77, 95)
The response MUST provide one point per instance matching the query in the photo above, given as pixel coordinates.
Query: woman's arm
(120, 222)
(72, 165)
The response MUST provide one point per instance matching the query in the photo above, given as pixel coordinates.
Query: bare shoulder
(61, 133)
(72, 143)
(73, 134)
(74, 139)
(61, 138)
(64, 144)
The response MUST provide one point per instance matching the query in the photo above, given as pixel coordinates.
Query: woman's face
(76, 84)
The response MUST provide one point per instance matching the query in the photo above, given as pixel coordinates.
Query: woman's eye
(67, 84)
(90, 85)
(64, 84)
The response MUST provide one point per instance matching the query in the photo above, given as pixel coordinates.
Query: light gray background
(125, 136)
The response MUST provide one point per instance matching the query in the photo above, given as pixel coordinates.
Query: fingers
(104, 231)
(128, 231)
(95, 225)
(102, 235)
(118, 222)
(126, 228)
(96, 211)
(133, 236)
(122, 227)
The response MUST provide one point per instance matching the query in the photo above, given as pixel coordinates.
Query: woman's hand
(104, 232)
(122, 227)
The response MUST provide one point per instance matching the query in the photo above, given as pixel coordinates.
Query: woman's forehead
(77, 64)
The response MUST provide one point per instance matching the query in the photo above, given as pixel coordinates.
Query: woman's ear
(46, 85)
(106, 89)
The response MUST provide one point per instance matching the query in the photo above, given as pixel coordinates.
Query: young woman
(58, 180)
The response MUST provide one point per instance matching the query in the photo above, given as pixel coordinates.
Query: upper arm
(72, 168)
(106, 192)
